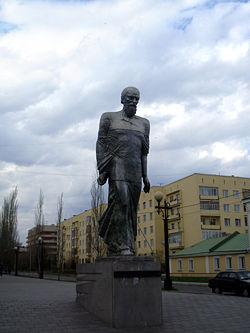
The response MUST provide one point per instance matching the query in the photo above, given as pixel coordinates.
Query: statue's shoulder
(110, 115)
(144, 121)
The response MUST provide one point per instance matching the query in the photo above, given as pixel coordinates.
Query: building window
(151, 229)
(245, 218)
(144, 218)
(88, 219)
(209, 205)
(138, 219)
(237, 208)
(203, 220)
(241, 262)
(151, 216)
(150, 203)
(191, 265)
(205, 190)
(207, 234)
(226, 207)
(172, 211)
(172, 226)
(144, 205)
(145, 243)
(216, 263)
(227, 222)
(237, 222)
(212, 221)
(178, 225)
(179, 265)
(145, 231)
(151, 242)
(175, 238)
(139, 232)
(138, 207)
(236, 194)
(225, 193)
(139, 244)
(229, 263)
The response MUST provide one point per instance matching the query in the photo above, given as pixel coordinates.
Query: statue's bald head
(129, 90)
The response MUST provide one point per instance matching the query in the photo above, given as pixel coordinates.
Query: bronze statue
(122, 148)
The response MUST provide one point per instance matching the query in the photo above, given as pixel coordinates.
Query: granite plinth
(122, 291)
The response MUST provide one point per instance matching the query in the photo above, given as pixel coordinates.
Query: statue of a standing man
(122, 148)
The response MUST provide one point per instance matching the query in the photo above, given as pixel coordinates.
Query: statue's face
(130, 102)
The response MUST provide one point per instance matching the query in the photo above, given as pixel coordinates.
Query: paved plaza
(33, 305)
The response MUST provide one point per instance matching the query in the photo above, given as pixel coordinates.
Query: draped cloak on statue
(121, 143)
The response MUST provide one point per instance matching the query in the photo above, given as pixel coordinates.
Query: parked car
(232, 281)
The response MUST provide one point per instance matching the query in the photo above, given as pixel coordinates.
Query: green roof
(237, 243)
(230, 243)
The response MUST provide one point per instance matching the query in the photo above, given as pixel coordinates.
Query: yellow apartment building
(79, 240)
(201, 206)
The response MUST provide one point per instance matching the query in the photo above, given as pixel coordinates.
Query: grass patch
(190, 279)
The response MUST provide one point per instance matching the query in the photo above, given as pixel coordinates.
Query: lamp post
(246, 201)
(164, 210)
(40, 242)
(16, 249)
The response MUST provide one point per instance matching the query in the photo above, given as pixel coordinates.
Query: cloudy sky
(64, 63)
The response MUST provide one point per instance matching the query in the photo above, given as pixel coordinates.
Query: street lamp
(16, 249)
(246, 201)
(164, 210)
(40, 242)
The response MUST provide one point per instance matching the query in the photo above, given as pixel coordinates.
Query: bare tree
(59, 236)
(8, 228)
(39, 223)
(39, 216)
(98, 207)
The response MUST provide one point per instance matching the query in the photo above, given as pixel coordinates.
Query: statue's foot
(127, 252)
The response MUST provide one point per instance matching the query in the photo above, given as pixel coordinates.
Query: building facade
(211, 256)
(48, 234)
(201, 206)
(79, 238)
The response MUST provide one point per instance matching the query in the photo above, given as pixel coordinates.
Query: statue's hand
(102, 178)
(146, 184)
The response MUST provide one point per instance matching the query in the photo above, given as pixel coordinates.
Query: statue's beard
(130, 110)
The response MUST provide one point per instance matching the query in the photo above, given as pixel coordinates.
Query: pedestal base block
(122, 291)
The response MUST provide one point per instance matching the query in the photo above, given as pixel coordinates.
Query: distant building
(48, 233)
(211, 256)
(79, 238)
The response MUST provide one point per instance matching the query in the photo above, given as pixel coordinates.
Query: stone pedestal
(122, 291)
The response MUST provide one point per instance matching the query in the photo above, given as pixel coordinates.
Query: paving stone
(42, 306)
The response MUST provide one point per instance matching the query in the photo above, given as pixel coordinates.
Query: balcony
(210, 212)
(209, 197)
(210, 227)
(175, 230)
(178, 245)
(174, 217)
(174, 203)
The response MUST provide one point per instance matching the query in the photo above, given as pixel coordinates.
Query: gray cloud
(62, 66)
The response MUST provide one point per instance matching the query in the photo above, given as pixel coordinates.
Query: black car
(232, 281)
